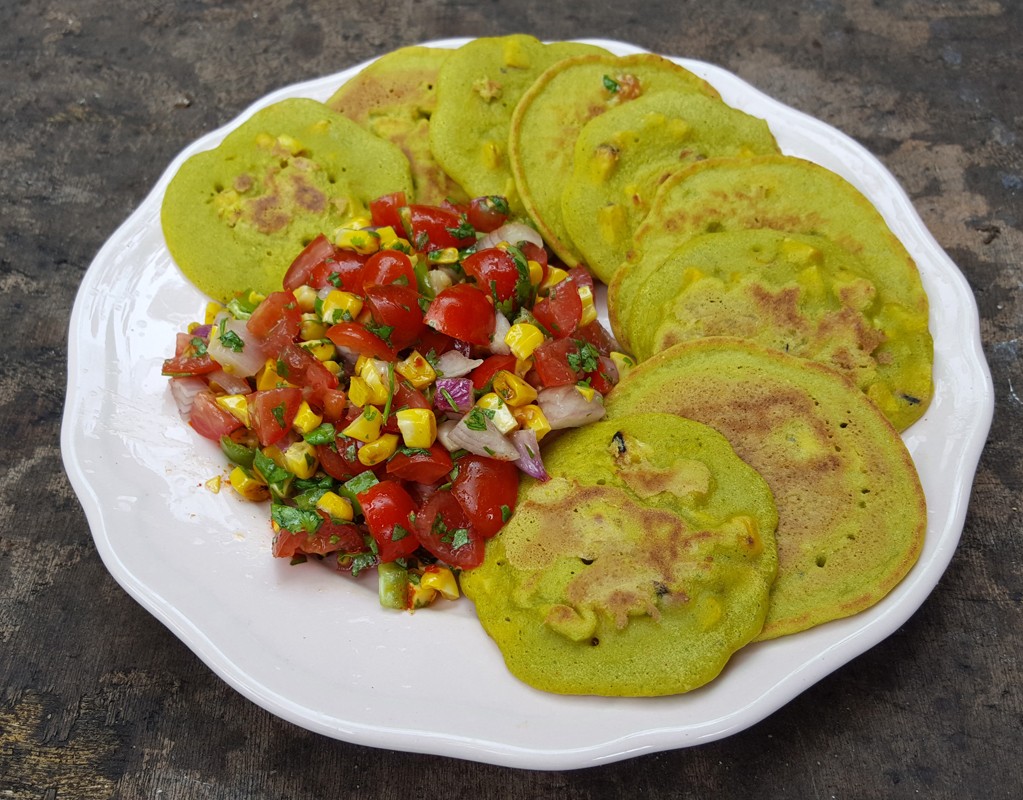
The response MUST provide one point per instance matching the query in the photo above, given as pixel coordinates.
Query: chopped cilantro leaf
(475, 420)
(323, 434)
(294, 519)
(232, 341)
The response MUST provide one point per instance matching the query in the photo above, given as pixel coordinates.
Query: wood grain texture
(99, 700)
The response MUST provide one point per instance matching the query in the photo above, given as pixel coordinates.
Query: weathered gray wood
(99, 700)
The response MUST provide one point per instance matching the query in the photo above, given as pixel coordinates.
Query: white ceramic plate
(315, 648)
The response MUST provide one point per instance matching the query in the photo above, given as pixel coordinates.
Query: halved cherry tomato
(533, 252)
(421, 466)
(487, 213)
(561, 310)
(272, 412)
(486, 489)
(597, 335)
(340, 460)
(343, 271)
(355, 337)
(433, 341)
(434, 228)
(384, 211)
(485, 372)
(388, 266)
(444, 530)
(209, 419)
(396, 307)
(296, 365)
(390, 513)
(494, 270)
(190, 358)
(551, 362)
(277, 307)
(315, 254)
(329, 537)
(463, 312)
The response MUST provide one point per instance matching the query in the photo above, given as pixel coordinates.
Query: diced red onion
(487, 442)
(511, 232)
(567, 407)
(453, 364)
(529, 460)
(184, 390)
(245, 361)
(457, 389)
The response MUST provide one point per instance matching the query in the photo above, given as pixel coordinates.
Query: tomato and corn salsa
(387, 399)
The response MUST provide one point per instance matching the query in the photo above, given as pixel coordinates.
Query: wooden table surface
(100, 700)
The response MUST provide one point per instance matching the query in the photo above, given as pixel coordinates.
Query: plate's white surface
(316, 648)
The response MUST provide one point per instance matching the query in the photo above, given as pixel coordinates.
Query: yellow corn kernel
(441, 579)
(515, 54)
(523, 366)
(364, 242)
(336, 507)
(247, 485)
(306, 297)
(300, 459)
(365, 427)
(623, 362)
(311, 328)
(268, 377)
(523, 338)
(533, 418)
(214, 483)
(320, 349)
(380, 449)
(358, 391)
(306, 419)
(589, 308)
(420, 596)
(290, 143)
(448, 255)
(512, 389)
(389, 237)
(500, 414)
(373, 376)
(535, 272)
(333, 367)
(338, 306)
(491, 154)
(587, 391)
(555, 275)
(418, 427)
(237, 405)
(212, 310)
(416, 370)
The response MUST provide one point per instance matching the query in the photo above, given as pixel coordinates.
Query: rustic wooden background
(99, 700)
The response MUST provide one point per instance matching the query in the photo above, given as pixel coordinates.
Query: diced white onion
(498, 346)
(453, 364)
(487, 442)
(511, 232)
(246, 360)
(567, 407)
